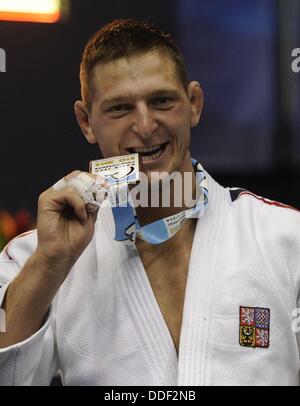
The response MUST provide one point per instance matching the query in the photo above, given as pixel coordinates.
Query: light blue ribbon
(127, 226)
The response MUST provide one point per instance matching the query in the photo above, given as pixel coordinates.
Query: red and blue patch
(254, 327)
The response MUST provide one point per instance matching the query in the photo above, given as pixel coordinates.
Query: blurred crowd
(13, 224)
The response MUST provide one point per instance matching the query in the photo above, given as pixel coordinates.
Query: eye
(163, 102)
(119, 109)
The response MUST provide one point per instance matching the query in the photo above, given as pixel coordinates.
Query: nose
(144, 122)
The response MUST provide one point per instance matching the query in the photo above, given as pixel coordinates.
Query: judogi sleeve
(294, 269)
(33, 361)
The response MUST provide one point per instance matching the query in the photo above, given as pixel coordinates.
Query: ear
(196, 100)
(83, 119)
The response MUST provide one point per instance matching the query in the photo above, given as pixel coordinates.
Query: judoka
(160, 295)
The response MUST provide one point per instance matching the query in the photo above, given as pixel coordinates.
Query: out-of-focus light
(42, 11)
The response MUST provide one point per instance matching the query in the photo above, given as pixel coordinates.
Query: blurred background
(240, 52)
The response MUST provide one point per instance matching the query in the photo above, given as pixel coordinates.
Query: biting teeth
(147, 149)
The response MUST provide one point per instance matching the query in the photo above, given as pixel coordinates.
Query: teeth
(154, 156)
(149, 153)
(147, 149)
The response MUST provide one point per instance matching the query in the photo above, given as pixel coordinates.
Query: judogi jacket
(240, 318)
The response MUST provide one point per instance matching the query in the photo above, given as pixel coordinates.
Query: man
(211, 305)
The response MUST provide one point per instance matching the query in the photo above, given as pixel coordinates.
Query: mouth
(150, 153)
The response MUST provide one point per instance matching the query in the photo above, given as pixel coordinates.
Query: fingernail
(92, 207)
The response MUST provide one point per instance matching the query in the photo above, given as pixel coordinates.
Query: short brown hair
(124, 38)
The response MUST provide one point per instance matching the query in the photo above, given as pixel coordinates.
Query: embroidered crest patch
(254, 326)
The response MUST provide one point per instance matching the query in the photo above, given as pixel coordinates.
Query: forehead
(135, 75)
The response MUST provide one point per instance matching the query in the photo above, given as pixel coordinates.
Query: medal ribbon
(127, 226)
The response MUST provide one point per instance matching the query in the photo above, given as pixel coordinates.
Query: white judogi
(105, 326)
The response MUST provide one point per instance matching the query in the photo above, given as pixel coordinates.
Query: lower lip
(151, 161)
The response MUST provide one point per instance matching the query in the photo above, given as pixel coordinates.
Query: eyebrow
(126, 99)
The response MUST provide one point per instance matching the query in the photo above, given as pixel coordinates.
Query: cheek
(181, 118)
(108, 138)
(181, 127)
(104, 148)
(109, 145)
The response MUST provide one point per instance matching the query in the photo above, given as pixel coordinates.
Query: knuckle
(71, 190)
(73, 193)
(72, 174)
(42, 197)
(77, 172)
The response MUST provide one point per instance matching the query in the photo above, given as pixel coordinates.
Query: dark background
(240, 51)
